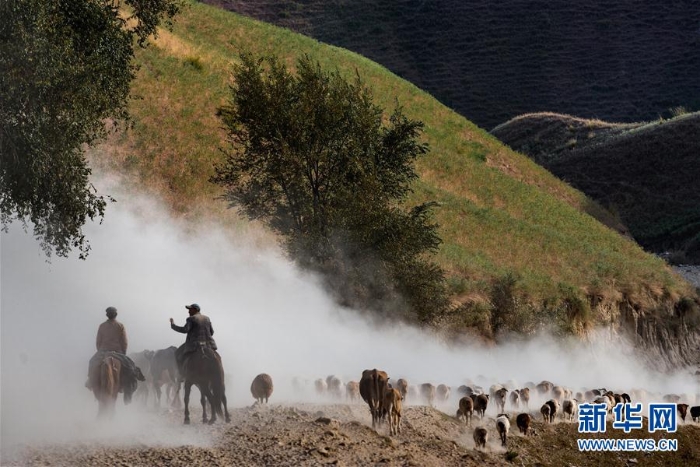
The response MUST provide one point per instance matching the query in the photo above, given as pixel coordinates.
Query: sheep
(352, 391)
(558, 393)
(515, 399)
(465, 390)
(674, 398)
(523, 421)
(525, 396)
(334, 386)
(261, 388)
(392, 405)
(569, 409)
(546, 412)
(481, 402)
(481, 436)
(501, 397)
(695, 413)
(682, 410)
(466, 410)
(320, 386)
(544, 387)
(604, 400)
(412, 393)
(554, 406)
(402, 386)
(443, 393)
(427, 390)
(503, 426)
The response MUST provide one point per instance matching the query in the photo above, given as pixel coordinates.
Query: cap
(194, 306)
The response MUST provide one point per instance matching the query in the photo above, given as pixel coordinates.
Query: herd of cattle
(385, 400)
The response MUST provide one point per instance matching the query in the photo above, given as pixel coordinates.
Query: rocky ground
(340, 434)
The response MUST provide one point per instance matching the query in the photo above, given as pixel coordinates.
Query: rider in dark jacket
(198, 329)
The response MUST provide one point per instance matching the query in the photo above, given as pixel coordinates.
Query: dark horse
(203, 368)
(107, 387)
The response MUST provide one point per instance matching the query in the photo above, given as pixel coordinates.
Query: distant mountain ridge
(617, 60)
(646, 172)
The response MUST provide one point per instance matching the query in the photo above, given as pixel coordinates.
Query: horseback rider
(199, 332)
(111, 338)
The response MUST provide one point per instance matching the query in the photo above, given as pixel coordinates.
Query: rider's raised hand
(171, 321)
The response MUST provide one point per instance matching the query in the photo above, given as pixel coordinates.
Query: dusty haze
(267, 316)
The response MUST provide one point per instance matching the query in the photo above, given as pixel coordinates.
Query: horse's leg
(188, 388)
(206, 393)
(203, 401)
(223, 401)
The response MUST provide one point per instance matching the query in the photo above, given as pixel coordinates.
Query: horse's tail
(217, 384)
(108, 383)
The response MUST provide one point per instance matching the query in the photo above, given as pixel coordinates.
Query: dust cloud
(267, 316)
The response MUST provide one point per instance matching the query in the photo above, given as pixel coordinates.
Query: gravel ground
(340, 434)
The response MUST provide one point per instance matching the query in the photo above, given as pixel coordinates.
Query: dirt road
(340, 434)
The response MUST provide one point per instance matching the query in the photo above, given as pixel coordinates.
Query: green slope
(500, 213)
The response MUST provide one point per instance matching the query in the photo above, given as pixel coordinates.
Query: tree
(311, 158)
(65, 67)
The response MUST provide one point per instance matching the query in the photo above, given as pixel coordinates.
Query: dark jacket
(198, 329)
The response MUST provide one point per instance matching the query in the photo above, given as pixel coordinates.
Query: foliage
(65, 67)
(313, 159)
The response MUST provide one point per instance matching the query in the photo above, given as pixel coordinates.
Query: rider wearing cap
(198, 329)
(111, 338)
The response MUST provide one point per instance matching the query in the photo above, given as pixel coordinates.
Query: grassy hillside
(646, 172)
(504, 220)
(620, 60)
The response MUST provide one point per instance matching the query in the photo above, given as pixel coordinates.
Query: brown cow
(262, 387)
(392, 406)
(373, 386)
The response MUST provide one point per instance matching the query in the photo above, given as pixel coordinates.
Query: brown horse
(107, 388)
(203, 368)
